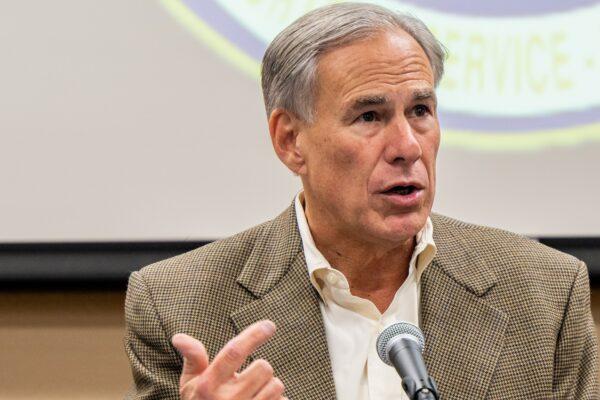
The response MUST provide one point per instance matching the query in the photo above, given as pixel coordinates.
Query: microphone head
(397, 330)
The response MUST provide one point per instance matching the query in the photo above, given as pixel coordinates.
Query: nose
(402, 144)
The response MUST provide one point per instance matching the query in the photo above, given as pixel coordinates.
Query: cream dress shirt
(352, 323)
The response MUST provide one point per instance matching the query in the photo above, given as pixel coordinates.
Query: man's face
(369, 157)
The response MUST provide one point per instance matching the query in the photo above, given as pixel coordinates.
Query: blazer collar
(274, 250)
(457, 258)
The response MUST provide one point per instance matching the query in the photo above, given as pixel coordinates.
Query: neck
(374, 270)
(368, 269)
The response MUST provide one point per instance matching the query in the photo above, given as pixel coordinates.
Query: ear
(284, 128)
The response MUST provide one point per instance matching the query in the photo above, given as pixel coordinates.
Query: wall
(62, 346)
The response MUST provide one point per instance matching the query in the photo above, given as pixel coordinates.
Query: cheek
(343, 157)
(342, 172)
(339, 156)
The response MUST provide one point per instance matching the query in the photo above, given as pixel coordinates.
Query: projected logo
(521, 75)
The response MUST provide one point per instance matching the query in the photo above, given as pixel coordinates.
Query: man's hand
(201, 380)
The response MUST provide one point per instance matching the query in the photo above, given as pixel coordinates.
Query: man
(349, 91)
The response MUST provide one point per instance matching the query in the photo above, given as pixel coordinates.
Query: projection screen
(127, 120)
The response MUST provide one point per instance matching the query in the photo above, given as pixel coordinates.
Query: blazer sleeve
(155, 363)
(576, 357)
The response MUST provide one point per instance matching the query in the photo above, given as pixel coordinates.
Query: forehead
(384, 61)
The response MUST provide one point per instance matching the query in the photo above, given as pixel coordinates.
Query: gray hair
(289, 66)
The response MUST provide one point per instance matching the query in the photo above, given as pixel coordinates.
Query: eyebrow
(368, 101)
(377, 100)
(364, 102)
(425, 94)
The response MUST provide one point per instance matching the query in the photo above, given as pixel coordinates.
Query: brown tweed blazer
(503, 316)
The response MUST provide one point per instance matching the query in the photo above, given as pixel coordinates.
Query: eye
(368, 116)
(421, 110)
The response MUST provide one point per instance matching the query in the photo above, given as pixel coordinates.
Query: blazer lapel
(464, 334)
(276, 274)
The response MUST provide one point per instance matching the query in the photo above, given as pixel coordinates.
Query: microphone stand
(423, 390)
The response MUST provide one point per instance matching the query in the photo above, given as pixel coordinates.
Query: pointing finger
(232, 356)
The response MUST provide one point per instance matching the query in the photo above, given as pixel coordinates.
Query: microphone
(400, 345)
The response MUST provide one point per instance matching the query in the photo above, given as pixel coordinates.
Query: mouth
(401, 190)
(405, 197)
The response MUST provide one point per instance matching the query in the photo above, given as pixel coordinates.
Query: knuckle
(232, 352)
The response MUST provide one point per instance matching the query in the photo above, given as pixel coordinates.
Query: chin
(404, 227)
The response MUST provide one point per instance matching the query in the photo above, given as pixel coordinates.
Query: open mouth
(402, 190)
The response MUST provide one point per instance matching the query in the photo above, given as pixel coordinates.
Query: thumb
(195, 358)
